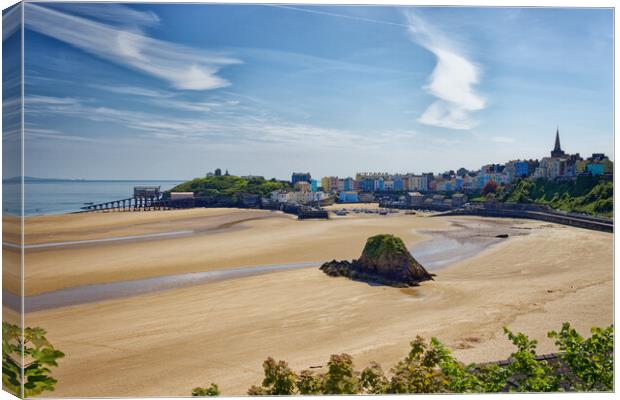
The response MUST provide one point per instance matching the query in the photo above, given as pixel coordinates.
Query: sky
(172, 91)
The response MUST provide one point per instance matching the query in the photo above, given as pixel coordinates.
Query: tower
(557, 150)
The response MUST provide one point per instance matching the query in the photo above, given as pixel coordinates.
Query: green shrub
(38, 356)
(532, 375)
(590, 360)
(431, 368)
(212, 390)
(279, 379)
(341, 377)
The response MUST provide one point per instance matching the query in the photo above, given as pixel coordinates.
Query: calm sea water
(59, 197)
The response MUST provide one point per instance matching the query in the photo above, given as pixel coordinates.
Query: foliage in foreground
(38, 356)
(431, 368)
(212, 390)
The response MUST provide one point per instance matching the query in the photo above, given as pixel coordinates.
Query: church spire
(557, 149)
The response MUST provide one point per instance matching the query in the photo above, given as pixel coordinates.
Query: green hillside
(587, 194)
(230, 185)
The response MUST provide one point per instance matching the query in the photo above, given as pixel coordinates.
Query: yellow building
(580, 166)
(302, 186)
(330, 183)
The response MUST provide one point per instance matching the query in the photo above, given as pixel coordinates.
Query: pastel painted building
(301, 177)
(521, 169)
(398, 183)
(302, 186)
(419, 183)
(595, 169)
(346, 184)
(314, 185)
(458, 184)
(445, 186)
(330, 183)
(367, 185)
(349, 184)
(348, 197)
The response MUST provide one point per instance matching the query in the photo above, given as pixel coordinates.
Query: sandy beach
(166, 343)
(221, 238)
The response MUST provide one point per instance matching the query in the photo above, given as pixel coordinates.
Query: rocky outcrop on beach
(385, 260)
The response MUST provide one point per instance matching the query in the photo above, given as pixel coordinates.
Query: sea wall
(586, 222)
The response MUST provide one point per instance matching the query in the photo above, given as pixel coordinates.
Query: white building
(418, 183)
(297, 197)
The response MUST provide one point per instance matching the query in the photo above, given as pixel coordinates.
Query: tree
(489, 187)
(279, 379)
(38, 356)
(531, 375)
(420, 371)
(373, 380)
(212, 390)
(340, 377)
(431, 368)
(310, 383)
(590, 360)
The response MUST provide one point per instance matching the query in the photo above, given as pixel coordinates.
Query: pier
(145, 198)
(139, 204)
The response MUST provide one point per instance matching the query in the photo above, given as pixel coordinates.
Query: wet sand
(168, 342)
(462, 240)
(219, 240)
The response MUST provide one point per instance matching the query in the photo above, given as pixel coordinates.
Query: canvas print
(272, 199)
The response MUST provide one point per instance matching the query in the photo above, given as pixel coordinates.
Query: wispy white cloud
(337, 15)
(183, 67)
(165, 99)
(132, 90)
(251, 128)
(51, 100)
(112, 13)
(53, 134)
(451, 82)
(11, 21)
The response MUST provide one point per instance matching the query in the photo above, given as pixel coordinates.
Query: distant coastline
(46, 196)
(31, 179)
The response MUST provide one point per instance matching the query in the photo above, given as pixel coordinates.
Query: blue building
(349, 184)
(314, 185)
(301, 177)
(458, 184)
(521, 169)
(595, 169)
(348, 197)
(399, 184)
(379, 184)
(367, 185)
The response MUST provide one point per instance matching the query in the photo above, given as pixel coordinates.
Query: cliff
(386, 260)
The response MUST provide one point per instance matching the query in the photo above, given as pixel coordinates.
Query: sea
(44, 197)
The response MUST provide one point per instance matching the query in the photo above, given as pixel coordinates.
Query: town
(445, 190)
(568, 190)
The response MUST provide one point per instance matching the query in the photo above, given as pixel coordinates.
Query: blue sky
(171, 91)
